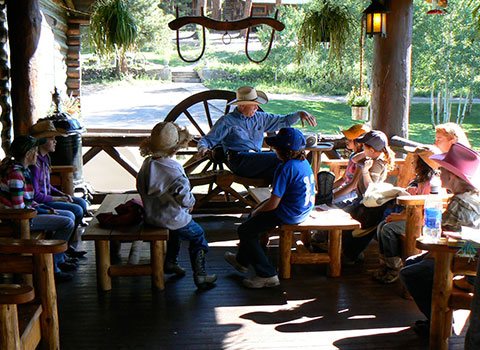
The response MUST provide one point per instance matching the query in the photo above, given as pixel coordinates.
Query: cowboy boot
(200, 277)
(135, 252)
(171, 259)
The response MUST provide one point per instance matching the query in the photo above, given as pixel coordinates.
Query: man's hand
(202, 152)
(307, 117)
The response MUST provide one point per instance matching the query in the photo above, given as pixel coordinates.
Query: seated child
(44, 192)
(167, 200)
(392, 228)
(460, 174)
(373, 165)
(292, 199)
(344, 187)
(16, 192)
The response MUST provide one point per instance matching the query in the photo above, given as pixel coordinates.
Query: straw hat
(45, 129)
(462, 162)
(425, 152)
(355, 131)
(249, 95)
(165, 139)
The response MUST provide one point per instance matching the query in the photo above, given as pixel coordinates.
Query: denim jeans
(250, 252)
(191, 232)
(78, 208)
(417, 276)
(472, 338)
(388, 235)
(257, 165)
(61, 226)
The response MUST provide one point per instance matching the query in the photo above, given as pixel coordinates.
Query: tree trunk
(24, 20)
(216, 9)
(391, 72)
(246, 13)
(201, 4)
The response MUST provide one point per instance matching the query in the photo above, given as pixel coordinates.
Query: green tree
(113, 30)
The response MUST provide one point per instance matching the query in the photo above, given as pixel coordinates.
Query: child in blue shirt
(292, 199)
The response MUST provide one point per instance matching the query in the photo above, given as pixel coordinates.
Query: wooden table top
(327, 220)
(420, 199)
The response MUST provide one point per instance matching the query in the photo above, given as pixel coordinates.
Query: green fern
(326, 21)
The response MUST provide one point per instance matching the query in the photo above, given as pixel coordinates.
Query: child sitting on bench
(167, 200)
(292, 199)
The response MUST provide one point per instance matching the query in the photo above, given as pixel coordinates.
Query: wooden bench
(334, 221)
(157, 238)
(37, 321)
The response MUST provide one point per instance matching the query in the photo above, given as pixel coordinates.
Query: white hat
(165, 139)
(249, 95)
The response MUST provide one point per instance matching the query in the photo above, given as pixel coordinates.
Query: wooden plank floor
(309, 311)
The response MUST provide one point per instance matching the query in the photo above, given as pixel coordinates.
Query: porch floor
(309, 311)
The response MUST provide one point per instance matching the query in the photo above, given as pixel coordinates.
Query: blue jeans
(191, 232)
(417, 276)
(61, 227)
(250, 251)
(388, 235)
(255, 165)
(78, 208)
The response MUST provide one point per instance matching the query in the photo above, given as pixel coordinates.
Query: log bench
(27, 325)
(102, 237)
(334, 221)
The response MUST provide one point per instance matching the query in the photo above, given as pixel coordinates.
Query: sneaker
(172, 268)
(232, 260)
(390, 276)
(378, 274)
(61, 276)
(261, 282)
(67, 267)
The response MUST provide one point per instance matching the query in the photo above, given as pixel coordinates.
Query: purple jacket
(42, 188)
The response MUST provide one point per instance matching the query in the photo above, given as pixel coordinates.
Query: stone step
(185, 77)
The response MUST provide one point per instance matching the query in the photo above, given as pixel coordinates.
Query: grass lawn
(333, 116)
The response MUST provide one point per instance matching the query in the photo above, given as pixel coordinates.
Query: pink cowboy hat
(462, 162)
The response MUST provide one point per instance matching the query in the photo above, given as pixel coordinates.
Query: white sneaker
(261, 282)
(232, 260)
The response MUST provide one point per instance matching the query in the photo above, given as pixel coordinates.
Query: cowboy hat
(249, 95)
(424, 153)
(355, 131)
(462, 162)
(45, 129)
(165, 139)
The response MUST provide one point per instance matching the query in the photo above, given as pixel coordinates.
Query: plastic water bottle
(432, 227)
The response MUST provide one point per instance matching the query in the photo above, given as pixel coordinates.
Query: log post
(5, 116)
(73, 58)
(391, 71)
(24, 16)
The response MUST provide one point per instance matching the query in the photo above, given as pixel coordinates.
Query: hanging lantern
(375, 17)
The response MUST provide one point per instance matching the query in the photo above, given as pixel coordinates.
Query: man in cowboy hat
(460, 174)
(241, 132)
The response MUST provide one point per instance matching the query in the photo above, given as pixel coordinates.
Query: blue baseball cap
(288, 138)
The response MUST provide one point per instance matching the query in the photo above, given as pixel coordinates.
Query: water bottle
(432, 227)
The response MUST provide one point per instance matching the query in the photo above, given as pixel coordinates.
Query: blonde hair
(453, 131)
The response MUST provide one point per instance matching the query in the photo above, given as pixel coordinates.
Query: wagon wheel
(198, 113)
